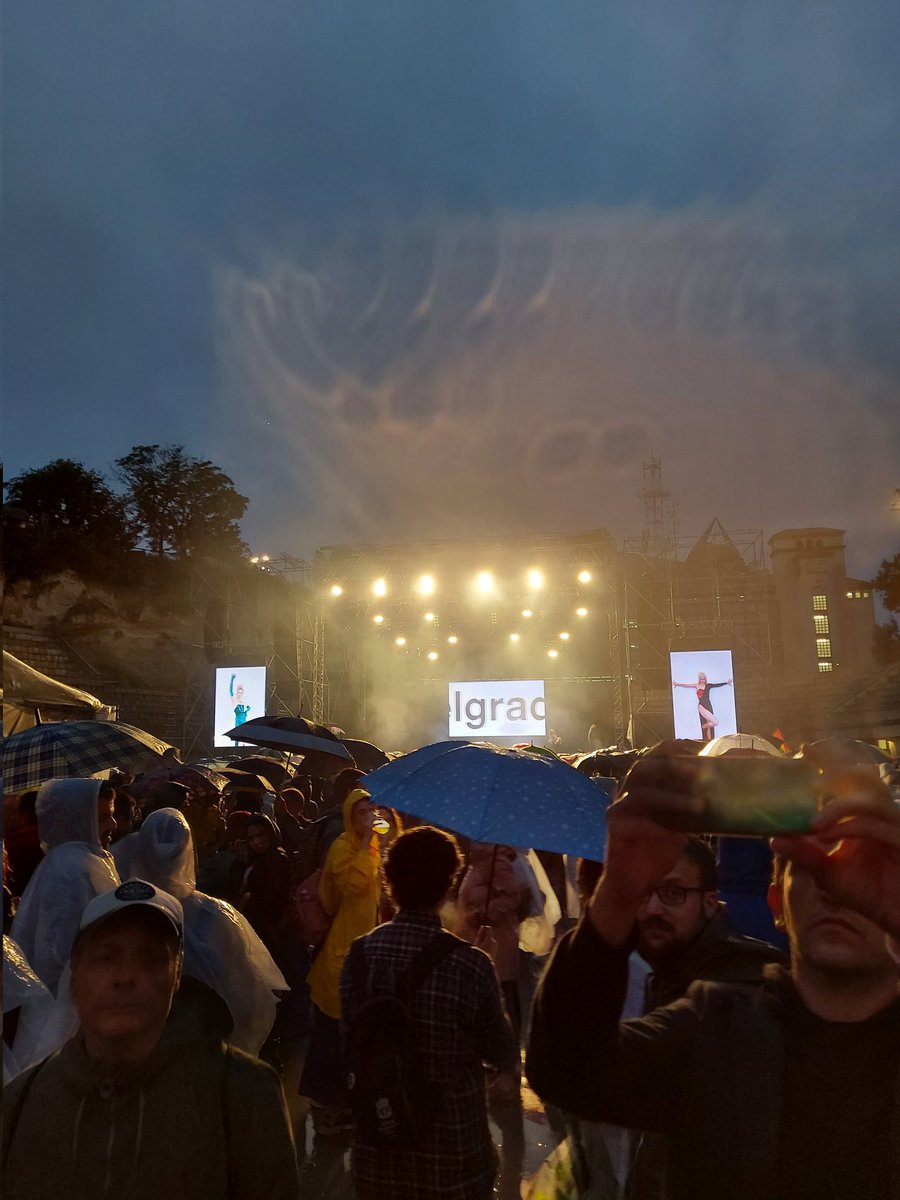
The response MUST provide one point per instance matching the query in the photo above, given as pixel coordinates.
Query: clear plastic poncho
(74, 870)
(220, 947)
(23, 990)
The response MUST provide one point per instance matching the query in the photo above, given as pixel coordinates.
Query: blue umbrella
(492, 794)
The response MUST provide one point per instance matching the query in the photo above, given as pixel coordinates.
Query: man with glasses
(683, 932)
(786, 1090)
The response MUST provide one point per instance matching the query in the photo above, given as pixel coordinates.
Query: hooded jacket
(348, 890)
(74, 870)
(494, 893)
(221, 948)
(194, 1120)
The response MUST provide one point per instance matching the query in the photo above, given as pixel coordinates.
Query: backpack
(308, 916)
(392, 1099)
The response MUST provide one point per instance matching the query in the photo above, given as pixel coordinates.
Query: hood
(166, 852)
(347, 808)
(67, 812)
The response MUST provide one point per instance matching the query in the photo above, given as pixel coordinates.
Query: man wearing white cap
(129, 1106)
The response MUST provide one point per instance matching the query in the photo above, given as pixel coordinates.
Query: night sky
(442, 268)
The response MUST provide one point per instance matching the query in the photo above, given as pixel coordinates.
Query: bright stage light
(584, 577)
(426, 585)
(400, 641)
(580, 612)
(378, 619)
(485, 582)
(255, 559)
(526, 612)
(452, 639)
(563, 637)
(337, 590)
(432, 654)
(553, 654)
(379, 587)
(513, 637)
(264, 558)
(535, 579)
(429, 616)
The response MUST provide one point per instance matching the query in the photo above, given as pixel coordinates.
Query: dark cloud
(221, 228)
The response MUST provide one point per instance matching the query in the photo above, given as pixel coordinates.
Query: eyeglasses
(672, 895)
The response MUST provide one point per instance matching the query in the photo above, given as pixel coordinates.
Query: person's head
(262, 836)
(834, 941)
(168, 794)
(587, 876)
(673, 916)
(166, 853)
(343, 784)
(701, 678)
(359, 814)
(125, 811)
(239, 692)
(25, 807)
(106, 815)
(421, 868)
(126, 967)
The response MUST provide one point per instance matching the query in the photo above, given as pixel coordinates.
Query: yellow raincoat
(349, 888)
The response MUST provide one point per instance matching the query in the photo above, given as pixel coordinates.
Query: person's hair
(344, 783)
(701, 855)
(26, 805)
(167, 794)
(261, 821)
(421, 867)
(133, 914)
(587, 876)
(107, 792)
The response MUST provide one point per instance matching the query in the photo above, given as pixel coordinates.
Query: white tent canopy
(31, 698)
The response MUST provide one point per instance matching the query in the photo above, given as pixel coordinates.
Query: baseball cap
(133, 893)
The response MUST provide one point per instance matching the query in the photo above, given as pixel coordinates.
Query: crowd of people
(205, 991)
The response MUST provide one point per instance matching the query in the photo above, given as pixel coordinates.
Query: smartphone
(754, 797)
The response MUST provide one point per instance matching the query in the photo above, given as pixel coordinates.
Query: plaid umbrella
(76, 749)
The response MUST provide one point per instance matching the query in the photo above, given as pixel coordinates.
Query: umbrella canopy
(733, 743)
(270, 769)
(192, 775)
(366, 756)
(842, 752)
(294, 734)
(492, 794)
(31, 698)
(77, 749)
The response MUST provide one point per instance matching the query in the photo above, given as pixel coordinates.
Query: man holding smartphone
(789, 1089)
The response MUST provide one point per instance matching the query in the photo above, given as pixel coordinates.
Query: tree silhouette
(180, 506)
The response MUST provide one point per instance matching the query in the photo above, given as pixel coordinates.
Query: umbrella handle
(487, 898)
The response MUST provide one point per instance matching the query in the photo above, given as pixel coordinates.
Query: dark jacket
(707, 1070)
(717, 955)
(197, 1120)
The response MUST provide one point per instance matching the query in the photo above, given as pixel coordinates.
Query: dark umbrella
(269, 768)
(296, 735)
(367, 756)
(842, 752)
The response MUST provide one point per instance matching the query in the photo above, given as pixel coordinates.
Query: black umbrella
(258, 764)
(296, 735)
(367, 756)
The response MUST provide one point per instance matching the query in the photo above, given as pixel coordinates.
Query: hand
(854, 851)
(641, 850)
(484, 940)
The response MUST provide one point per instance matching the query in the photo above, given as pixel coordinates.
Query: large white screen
(240, 696)
(703, 707)
(498, 708)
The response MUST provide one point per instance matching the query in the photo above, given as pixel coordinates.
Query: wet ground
(520, 1130)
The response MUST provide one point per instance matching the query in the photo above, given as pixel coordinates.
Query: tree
(181, 506)
(68, 517)
(887, 636)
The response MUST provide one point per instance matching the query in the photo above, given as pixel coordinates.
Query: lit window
(820, 603)
(858, 595)
(825, 666)
(865, 595)
(823, 647)
(821, 624)
(849, 595)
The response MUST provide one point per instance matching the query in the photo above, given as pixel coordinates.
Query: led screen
(487, 708)
(703, 694)
(240, 696)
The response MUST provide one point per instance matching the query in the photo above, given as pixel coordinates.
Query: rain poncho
(74, 870)
(220, 947)
(349, 890)
(23, 990)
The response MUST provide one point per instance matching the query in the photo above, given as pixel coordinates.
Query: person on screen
(708, 720)
(240, 708)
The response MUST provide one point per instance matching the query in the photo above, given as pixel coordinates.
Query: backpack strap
(424, 963)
